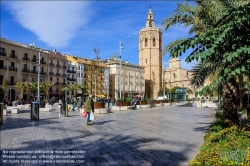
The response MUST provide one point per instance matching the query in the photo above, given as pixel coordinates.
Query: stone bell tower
(150, 56)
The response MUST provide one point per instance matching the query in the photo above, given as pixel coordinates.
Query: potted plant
(118, 102)
(144, 101)
(127, 101)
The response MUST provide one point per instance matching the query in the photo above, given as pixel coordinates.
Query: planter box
(99, 105)
(126, 104)
(144, 102)
(118, 103)
(165, 101)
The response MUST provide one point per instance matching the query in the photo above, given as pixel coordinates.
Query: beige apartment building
(91, 73)
(132, 79)
(19, 62)
(57, 73)
(150, 56)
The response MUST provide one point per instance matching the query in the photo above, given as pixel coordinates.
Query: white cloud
(54, 22)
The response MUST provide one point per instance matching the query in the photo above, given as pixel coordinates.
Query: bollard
(64, 110)
(1, 113)
(34, 111)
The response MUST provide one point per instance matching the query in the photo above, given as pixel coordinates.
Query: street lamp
(120, 54)
(38, 79)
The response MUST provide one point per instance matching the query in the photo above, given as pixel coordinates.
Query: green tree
(21, 86)
(69, 88)
(33, 86)
(27, 90)
(224, 50)
(45, 86)
(82, 87)
(4, 85)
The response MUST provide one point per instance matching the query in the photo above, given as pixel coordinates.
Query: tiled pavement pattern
(153, 136)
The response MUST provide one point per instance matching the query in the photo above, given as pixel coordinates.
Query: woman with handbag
(89, 107)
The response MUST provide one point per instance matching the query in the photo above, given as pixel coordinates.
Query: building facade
(57, 73)
(19, 63)
(92, 74)
(150, 55)
(132, 79)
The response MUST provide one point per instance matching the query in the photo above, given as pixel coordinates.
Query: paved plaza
(152, 136)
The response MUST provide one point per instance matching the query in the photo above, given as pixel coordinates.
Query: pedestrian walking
(89, 106)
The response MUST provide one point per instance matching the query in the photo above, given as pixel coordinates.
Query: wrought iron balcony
(51, 64)
(58, 65)
(58, 74)
(34, 60)
(51, 73)
(43, 62)
(43, 73)
(26, 59)
(13, 56)
(3, 67)
(34, 72)
(64, 67)
(26, 70)
(12, 68)
(2, 53)
(64, 75)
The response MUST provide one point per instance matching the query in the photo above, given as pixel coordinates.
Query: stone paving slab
(148, 136)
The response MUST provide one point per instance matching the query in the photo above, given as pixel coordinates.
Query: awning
(100, 96)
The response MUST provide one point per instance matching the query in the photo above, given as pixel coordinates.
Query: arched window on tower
(146, 42)
(153, 42)
(150, 24)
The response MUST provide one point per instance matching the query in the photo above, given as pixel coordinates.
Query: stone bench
(143, 106)
(119, 108)
(5, 112)
(15, 110)
(46, 109)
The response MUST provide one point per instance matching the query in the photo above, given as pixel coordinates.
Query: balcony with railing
(43, 73)
(71, 71)
(13, 56)
(2, 53)
(3, 67)
(51, 64)
(26, 71)
(34, 72)
(11, 83)
(64, 75)
(58, 74)
(12, 68)
(43, 62)
(51, 73)
(57, 65)
(71, 79)
(33, 60)
(26, 59)
(65, 67)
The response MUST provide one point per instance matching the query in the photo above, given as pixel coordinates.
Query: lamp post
(120, 54)
(38, 79)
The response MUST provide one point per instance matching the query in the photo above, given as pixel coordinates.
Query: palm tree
(75, 88)
(69, 88)
(82, 87)
(33, 88)
(21, 86)
(4, 85)
(27, 89)
(45, 86)
(223, 52)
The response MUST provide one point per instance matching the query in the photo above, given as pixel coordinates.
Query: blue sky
(76, 27)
